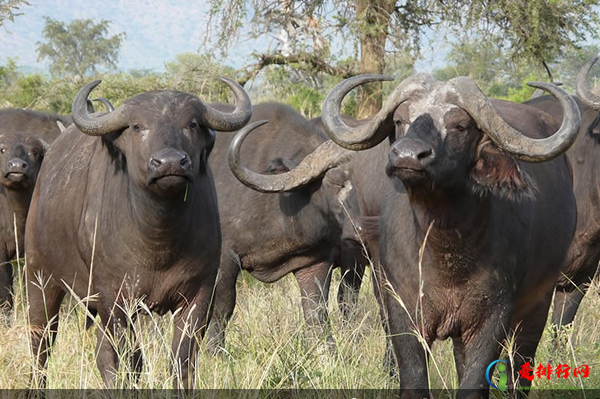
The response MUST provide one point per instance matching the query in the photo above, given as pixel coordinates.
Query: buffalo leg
(116, 335)
(223, 306)
(473, 356)
(6, 287)
(314, 284)
(44, 306)
(190, 325)
(410, 353)
(389, 361)
(528, 335)
(566, 305)
(352, 263)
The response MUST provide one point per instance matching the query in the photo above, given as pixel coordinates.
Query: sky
(157, 30)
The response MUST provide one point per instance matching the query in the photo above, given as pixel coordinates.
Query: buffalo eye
(137, 127)
(35, 153)
(461, 128)
(193, 126)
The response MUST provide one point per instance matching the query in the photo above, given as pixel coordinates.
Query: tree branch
(312, 61)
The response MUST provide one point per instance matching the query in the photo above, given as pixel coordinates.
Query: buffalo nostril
(184, 161)
(155, 162)
(424, 154)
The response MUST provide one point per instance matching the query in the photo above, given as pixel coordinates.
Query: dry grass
(268, 346)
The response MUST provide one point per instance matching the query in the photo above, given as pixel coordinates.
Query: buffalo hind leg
(566, 305)
(190, 325)
(44, 305)
(314, 284)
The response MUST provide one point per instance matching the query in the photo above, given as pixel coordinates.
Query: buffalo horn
(314, 165)
(583, 90)
(377, 128)
(472, 100)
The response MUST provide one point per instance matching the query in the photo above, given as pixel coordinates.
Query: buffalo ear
(499, 174)
(279, 165)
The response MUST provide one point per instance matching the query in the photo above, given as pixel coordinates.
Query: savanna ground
(269, 347)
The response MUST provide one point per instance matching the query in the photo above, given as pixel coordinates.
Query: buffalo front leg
(529, 331)
(314, 284)
(190, 325)
(352, 262)
(44, 305)
(224, 304)
(389, 361)
(116, 341)
(6, 288)
(473, 356)
(411, 350)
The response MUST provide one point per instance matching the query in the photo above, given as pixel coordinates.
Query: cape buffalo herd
(474, 213)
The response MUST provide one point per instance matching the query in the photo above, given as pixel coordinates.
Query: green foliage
(568, 63)
(521, 93)
(198, 74)
(28, 89)
(80, 47)
(535, 30)
(192, 73)
(496, 74)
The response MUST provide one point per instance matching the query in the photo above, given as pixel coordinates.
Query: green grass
(268, 346)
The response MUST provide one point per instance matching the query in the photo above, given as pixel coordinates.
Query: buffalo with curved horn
(141, 223)
(584, 253)
(471, 239)
(271, 231)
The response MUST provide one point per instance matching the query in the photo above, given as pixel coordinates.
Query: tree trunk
(375, 17)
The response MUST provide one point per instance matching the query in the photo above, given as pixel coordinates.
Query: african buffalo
(125, 210)
(43, 125)
(271, 233)
(470, 238)
(21, 156)
(584, 252)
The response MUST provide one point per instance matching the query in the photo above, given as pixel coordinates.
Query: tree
(305, 32)
(9, 9)
(80, 47)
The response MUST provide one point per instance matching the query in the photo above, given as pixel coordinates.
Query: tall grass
(269, 346)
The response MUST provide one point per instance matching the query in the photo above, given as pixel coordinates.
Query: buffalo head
(21, 156)
(161, 138)
(442, 132)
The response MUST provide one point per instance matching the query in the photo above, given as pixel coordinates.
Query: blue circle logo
(503, 378)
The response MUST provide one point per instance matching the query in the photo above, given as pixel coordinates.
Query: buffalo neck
(18, 201)
(457, 218)
(159, 220)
